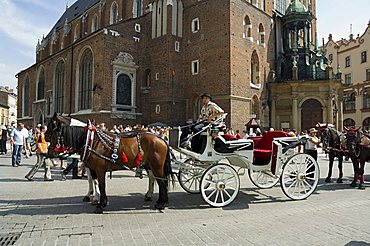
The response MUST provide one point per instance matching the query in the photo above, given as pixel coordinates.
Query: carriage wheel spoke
(217, 193)
(308, 184)
(229, 187)
(308, 167)
(211, 194)
(293, 183)
(227, 193)
(222, 197)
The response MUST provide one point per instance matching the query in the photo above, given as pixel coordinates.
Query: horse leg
(162, 201)
(93, 187)
(340, 167)
(361, 174)
(331, 162)
(149, 194)
(103, 196)
(355, 170)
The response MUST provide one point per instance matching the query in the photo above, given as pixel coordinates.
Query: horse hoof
(328, 180)
(361, 187)
(86, 199)
(353, 184)
(94, 202)
(99, 209)
(148, 199)
(339, 180)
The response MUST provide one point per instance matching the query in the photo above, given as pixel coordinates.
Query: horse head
(54, 135)
(353, 137)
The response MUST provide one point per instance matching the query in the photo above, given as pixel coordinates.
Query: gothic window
(41, 85)
(59, 87)
(137, 11)
(247, 28)
(349, 101)
(366, 98)
(263, 5)
(113, 13)
(366, 124)
(255, 78)
(367, 74)
(350, 123)
(363, 56)
(195, 67)
(85, 81)
(331, 57)
(124, 90)
(147, 79)
(261, 35)
(76, 33)
(26, 97)
(94, 24)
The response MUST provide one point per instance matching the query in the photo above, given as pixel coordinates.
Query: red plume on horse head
(352, 129)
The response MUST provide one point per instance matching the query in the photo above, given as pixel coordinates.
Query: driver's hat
(206, 95)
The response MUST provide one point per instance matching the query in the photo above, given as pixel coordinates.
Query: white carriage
(269, 159)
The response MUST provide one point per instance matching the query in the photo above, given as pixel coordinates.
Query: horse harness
(107, 142)
(338, 147)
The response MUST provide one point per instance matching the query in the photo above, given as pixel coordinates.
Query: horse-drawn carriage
(268, 159)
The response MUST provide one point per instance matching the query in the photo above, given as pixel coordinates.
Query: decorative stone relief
(124, 58)
(44, 43)
(67, 28)
(84, 17)
(54, 36)
(101, 5)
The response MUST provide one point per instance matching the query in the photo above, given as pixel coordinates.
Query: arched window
(41, 85)
(123, 92)
(366, 98)
(59, 87)
(85, 81)
(26, 97)
(366, 124)
(76, 33)
(255, 76)
(147, 78)
(113, 13)
(261, 35)
(247, 28)
(349, 123)
(94, 23)
(349, 102)
(137, 8)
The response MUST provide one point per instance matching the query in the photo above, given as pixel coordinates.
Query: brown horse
(104, 151)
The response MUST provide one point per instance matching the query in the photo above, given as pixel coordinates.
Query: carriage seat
(228, 144)
(263, 148)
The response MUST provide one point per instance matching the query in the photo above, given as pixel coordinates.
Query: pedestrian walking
(41, 151)
(17, 139)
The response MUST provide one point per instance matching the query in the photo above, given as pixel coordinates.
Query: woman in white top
(312, 142)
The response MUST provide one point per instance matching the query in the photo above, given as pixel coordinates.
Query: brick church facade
(145, 61)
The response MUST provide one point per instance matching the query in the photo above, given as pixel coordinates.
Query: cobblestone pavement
(52, 213)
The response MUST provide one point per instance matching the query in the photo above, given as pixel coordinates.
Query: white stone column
(294, 112)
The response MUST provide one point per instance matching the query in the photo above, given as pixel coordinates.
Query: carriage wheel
(189, 177)
(263, 179)
(219, 185)
(300, 176)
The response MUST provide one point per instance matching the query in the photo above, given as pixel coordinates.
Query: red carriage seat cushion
(229, 137)
(263, 148)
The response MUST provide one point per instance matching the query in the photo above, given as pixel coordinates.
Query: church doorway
(311, 113)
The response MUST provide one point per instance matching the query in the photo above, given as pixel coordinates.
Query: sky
(23, 22)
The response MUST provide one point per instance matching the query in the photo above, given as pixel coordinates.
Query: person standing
(312, 142)
(17, 139)
(42, 148)
(3, 139)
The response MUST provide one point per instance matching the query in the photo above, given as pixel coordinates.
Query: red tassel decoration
(64, 149)
(57, 150)
(138, 159)
(124, 157)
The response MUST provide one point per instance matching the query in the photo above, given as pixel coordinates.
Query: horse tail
(168, 173)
